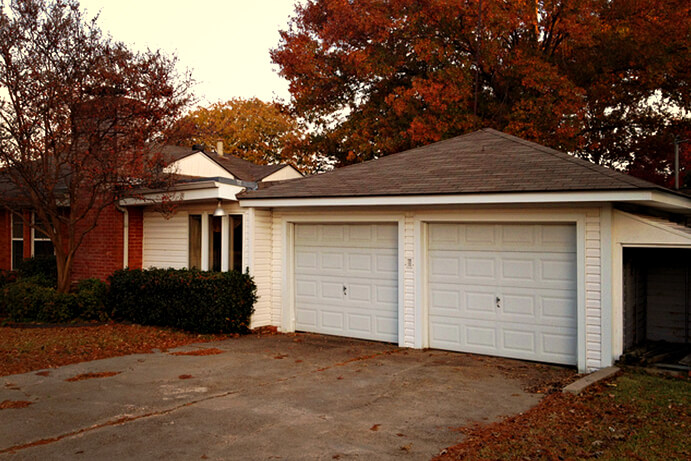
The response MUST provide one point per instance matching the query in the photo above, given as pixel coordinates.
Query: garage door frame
(289, 314)
(422, 222)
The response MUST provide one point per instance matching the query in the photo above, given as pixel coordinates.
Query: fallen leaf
(199, 352)
(102, 374)
(6, 404)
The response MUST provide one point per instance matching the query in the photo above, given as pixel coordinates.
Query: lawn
(38, 347)
(634, 416)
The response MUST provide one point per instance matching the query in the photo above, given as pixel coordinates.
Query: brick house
(484, 243)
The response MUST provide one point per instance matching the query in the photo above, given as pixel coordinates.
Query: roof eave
(205, 189)
(655, 198)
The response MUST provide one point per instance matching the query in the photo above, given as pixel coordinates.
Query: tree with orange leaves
(254, 130)
(591, 77)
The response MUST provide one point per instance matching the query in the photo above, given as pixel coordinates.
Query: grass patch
(634, 416)
(28, 349)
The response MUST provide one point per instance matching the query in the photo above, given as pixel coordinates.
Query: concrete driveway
(273, 397)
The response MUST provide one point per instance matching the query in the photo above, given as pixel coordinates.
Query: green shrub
(29, 300)
(44, 267)
(7, 277)
(90, 298)
(202, 302)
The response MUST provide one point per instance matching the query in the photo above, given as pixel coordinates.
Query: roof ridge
(600, 169)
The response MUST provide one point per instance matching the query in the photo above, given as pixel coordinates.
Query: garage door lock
(345, 291)
(498, 302)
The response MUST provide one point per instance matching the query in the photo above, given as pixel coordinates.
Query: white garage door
(346, 280)
(504, 289)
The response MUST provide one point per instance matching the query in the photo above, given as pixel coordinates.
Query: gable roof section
(241, 169)
(485, 161)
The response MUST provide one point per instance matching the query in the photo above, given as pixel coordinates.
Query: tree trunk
(64, 264)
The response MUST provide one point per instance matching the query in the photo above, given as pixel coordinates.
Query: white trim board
(653, 198)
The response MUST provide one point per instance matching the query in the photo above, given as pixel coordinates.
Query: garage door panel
(459, 301)
(387, 326)
(332, 319)
(307, 260)
(358, 262)
(518, 270)
(559, 344)
(518, 341)
(518, 306)
(559, 308)
(360, 292)
(355, 270)
(481, 337)
(557, 238)
(445, 335)
(529, 268)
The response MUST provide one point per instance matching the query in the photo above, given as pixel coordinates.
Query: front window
(223, 239)
(43, 246)
(17, 241)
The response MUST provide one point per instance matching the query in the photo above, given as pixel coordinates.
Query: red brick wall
(100, 254)
(5, 240)
(135, 236)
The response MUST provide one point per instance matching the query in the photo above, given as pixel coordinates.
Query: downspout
(125, 234)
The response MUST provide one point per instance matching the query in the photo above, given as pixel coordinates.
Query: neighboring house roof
(239, 168)
(242, 169)
(485, 161)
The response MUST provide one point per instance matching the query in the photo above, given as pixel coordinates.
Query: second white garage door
(504, 289)
(346, 280)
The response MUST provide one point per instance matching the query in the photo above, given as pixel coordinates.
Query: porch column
(225, 247)
(205, 241)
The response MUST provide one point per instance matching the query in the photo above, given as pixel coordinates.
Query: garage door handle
(498, 302)
(345, 291)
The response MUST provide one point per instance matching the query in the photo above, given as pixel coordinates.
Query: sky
(225, 43)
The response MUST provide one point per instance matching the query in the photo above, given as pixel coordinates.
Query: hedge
(201, 302)
(31, 300)
(44, 267)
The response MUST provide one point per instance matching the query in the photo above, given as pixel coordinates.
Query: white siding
(409, 281)
(593, 289)
(165, 242)
(287, 172)
(199, 164)
(260, 230)
(277, 256)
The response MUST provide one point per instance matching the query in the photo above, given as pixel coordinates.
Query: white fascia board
(470, 199)
(672, 200)
(206, 191)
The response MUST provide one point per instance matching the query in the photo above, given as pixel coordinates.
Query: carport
(656, 288)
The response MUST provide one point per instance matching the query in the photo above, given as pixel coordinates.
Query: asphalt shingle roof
(241, 169)
(485, 161)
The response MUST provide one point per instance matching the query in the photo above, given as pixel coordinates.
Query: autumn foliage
(606, 80)
(79, 114)
(251, 129)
